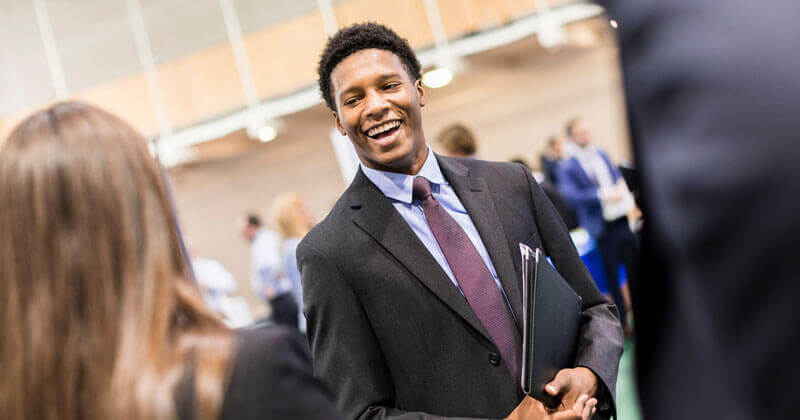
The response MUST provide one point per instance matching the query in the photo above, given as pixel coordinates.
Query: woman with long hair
(100, 316)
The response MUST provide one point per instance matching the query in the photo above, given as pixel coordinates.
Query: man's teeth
(383, 128)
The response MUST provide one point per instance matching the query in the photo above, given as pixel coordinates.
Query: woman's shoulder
(272, 376)
(265, 354)
(261, 341)
(290, 245)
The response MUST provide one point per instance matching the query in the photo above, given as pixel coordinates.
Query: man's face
(246, 231)
(558, 148)
(378, 107)
(581, 135)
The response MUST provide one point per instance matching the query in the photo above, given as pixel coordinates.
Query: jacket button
(494, 359)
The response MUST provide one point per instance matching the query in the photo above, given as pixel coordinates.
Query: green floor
(627, 400)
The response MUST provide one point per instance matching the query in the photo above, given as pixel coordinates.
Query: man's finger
(558, 383)
(578, 406)
(588, 409)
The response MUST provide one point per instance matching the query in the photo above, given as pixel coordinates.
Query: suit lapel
(474, 195)
(375, 214)
(614, 171)
(582, 172)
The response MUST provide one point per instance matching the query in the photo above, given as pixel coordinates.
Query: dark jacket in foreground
(390, 333)
(712, 90)
(271, 378)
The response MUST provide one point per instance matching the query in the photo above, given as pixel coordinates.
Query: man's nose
(376, 105)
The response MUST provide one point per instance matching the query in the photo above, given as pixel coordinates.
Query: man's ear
(420, 92)
(339, 125)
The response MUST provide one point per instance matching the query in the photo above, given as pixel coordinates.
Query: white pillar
(346, 155)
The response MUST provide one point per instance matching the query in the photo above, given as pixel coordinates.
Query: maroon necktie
(474, 278)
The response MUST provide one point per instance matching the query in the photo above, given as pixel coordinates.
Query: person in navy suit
(588, 181)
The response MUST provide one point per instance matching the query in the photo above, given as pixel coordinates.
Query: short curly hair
(357, 37)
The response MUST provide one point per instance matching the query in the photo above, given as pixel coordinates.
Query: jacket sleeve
(601, 343)
(346, 353)
(572, 192)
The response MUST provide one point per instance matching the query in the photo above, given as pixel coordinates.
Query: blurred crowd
(593, 196)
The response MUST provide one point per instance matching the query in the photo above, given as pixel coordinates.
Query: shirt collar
(399, 187)
(587, 152)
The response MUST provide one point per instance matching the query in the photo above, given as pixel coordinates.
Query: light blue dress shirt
(399, 189)
(265, 264)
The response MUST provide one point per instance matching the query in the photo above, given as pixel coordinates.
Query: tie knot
(422, 188)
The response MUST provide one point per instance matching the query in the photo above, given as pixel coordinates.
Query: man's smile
(382, 130)
(385, 133)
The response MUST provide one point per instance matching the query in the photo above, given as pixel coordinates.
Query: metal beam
(142, 41)
(57, 77)
(243, 66)
(328, 16)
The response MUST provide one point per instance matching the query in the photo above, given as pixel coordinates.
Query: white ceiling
(95, 42)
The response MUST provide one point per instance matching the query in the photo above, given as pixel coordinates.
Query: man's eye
(350, 101)
(391, 85)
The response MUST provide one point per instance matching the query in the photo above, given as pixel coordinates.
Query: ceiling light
(437, 78)
(614, 24)
(267, 133)
(264, 129)
(551, 32)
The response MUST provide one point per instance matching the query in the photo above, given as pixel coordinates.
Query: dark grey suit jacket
(392, 335)
(713, 91)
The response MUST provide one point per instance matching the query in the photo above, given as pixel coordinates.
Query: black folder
(551, 311)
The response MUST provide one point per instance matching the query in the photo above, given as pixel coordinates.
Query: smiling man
(412, 282)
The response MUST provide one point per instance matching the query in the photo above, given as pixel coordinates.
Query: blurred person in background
(712, 92)
(100, 316)
(457, 140)
(595, 190)
(266, 271)
(551, 158)
(219, 287)
(293, 221)
(410, 284)
(565, 211)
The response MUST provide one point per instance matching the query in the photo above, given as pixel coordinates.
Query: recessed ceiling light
(267, 133)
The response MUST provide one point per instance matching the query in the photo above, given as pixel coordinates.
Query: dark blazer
(550, 168)
(580, 192)
(271, 378)
(392, 335)
(712, 93)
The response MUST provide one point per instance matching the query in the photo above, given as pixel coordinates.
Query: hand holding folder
(551, 324)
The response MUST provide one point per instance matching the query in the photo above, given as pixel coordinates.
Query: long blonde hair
(292, 218)
(99, 314)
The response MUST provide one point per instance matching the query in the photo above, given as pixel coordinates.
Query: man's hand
(612, 194)
(570, 384)
(269, 291)
(531, 409)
